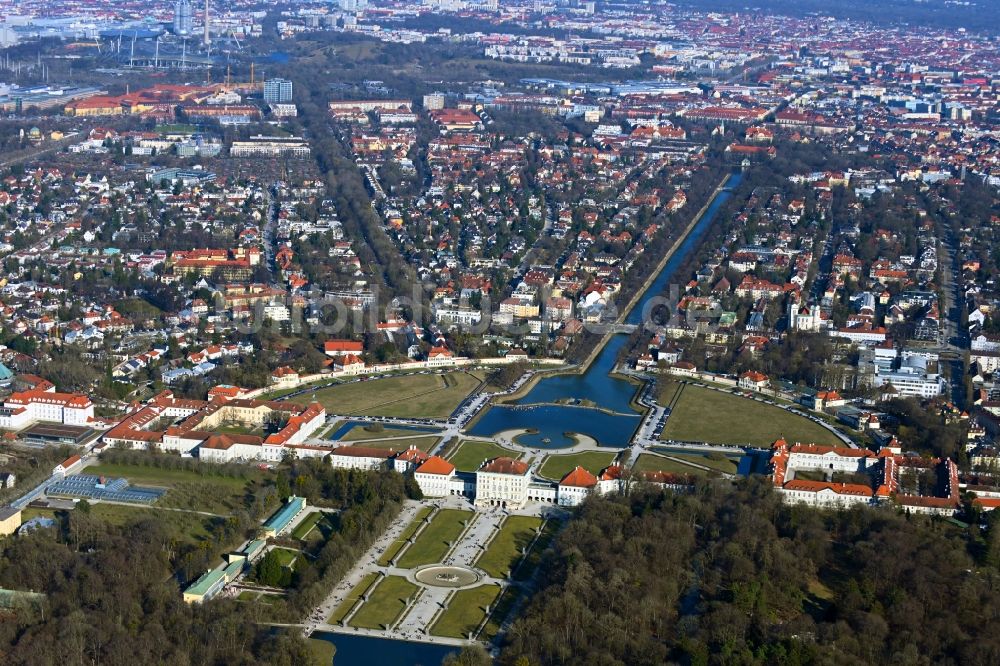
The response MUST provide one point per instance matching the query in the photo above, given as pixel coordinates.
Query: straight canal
(611, 420)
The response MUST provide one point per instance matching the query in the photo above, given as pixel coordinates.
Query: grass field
(649, 463)
(721, 463)
(344, 609)
(506, 548)
(527, 568)
(361, 433)
(398, 544)
(239, 429)
(501, 610)
(385, 604)
(557, 466)
(706, 415)
(465, 611)
(188, 490)
(303, 528)
(424, 396)
(285, 556)
(432, 544)
(471, 454)
(422, 443)
(30, 512)
(183, 526)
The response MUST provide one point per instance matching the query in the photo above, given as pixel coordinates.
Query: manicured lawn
(506, 548)
(501, 610)
(705, 415)
(30, 512)
(465, 611)
(422, 443)
(726, 464)
(214, 493)
(285, 557)
(432, 544)
(398, 544)
(425, 396)
(360, 433)
(471, 454)
(304, 527)
(557, 466)
(527, 568)
(650, 463)
(239, 429)
(385, 604)
(344, 609)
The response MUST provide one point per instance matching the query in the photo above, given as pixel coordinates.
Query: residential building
(277, 91)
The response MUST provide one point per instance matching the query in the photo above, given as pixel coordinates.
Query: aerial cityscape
(471, 332)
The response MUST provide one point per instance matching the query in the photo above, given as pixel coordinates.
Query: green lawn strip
(385, 603)
(322, 651)
(507, 547)
(501, 610)
(308, 523)
(705, 415)
(248, 595)
(433, 542)
(425, 443)
(651, 463)
(556, 467)
(344, 609)
(398, 544)
(534, 558)
(361, 433)
(723, 464)
(465, 611)
(470, 454)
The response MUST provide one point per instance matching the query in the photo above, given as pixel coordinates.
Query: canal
(368, 651)
(612, 420)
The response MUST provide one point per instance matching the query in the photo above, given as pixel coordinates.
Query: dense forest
(731, 575)
(112, 592)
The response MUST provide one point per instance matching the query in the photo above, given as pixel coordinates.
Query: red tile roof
(579, 478)
(505, 466)
(436, 465)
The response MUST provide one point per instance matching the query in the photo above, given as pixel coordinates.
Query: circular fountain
(443, 575)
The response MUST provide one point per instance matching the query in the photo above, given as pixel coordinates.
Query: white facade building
(502, 482)
(435, 477)
(26, 407)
